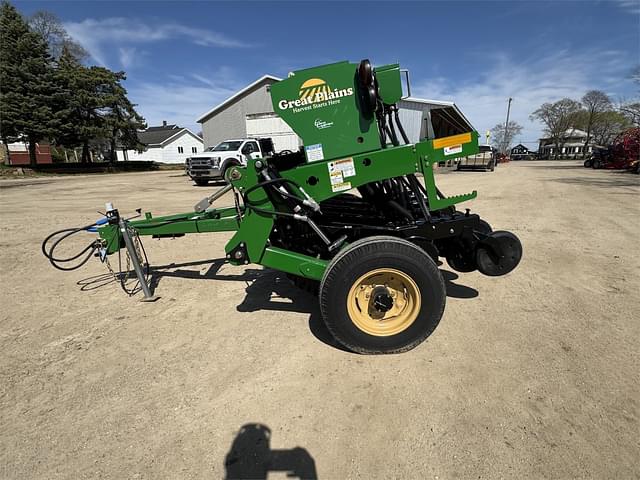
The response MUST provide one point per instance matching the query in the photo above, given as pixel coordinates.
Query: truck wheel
(200, 182)
(226, 169)
(382, 295)
(596, 164)
(492, 166)
(587, 163)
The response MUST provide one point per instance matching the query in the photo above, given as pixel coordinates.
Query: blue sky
(182, 58)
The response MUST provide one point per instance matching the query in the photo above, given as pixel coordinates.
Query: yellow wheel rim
(384, 302)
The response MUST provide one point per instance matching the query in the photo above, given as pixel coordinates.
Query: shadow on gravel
(24, 183)
(558, 167)
(455, 290)
(251, 457)
(96, 281)
(616, 179)
(266, 289)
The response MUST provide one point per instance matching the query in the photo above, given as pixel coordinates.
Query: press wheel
(500, 255)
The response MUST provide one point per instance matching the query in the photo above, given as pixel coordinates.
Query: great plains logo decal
(321, 124)
(315, 93)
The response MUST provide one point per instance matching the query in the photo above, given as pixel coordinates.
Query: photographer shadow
(251, 457)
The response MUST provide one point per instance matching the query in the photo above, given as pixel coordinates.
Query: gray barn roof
(257, 84)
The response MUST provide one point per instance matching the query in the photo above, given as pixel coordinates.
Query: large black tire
(201, 182)
(587, 163)
(465, 261)
(413, 316)
(596, 164)
(492, 166)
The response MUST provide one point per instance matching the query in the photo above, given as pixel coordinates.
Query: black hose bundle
(87, 252)
(66, 233)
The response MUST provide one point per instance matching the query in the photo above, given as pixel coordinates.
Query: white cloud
(99, 36)
(182, 100)
(127, 56)
(564, 73)
(632, 6)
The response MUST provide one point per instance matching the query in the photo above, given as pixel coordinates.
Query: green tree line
(47, 93)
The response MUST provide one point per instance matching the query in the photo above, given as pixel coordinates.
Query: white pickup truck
(214, 161)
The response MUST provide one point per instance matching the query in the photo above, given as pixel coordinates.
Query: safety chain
(124, 277)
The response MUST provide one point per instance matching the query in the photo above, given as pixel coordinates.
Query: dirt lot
(535, 374)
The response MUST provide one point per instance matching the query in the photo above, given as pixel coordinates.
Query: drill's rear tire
(382, 295)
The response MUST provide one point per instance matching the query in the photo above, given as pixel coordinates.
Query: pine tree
(68, 112)
(84, 98)
(122, 120)
(26, 82)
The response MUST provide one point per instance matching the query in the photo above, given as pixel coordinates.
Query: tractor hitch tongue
(346, 216)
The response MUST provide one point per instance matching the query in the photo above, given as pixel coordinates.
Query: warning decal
(339, 170)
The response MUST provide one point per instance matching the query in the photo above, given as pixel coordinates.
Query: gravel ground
(531, 375)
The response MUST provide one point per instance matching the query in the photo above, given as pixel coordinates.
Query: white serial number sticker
(452, 149)
(314, 152)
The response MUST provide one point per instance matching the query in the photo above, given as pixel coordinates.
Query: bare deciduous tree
(502, 138)
(609, 125)
(50, 27)
(557, 118)
(631, 110)
(595, 103)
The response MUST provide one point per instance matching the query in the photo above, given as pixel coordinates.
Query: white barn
(165, 144)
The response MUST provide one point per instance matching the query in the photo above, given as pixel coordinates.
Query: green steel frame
(327, 107)
(253, 228)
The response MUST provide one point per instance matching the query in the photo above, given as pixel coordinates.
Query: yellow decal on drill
(452, 140)
(313, 86)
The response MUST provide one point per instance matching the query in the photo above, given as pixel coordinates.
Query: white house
(165, 144)
(572, 145)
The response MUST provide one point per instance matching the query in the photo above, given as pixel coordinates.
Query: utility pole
(506, 128)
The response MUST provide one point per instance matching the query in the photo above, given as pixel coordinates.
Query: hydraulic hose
(251, 205)
(48, 251)
(402, 132)
(49, 246)
(392, 129)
